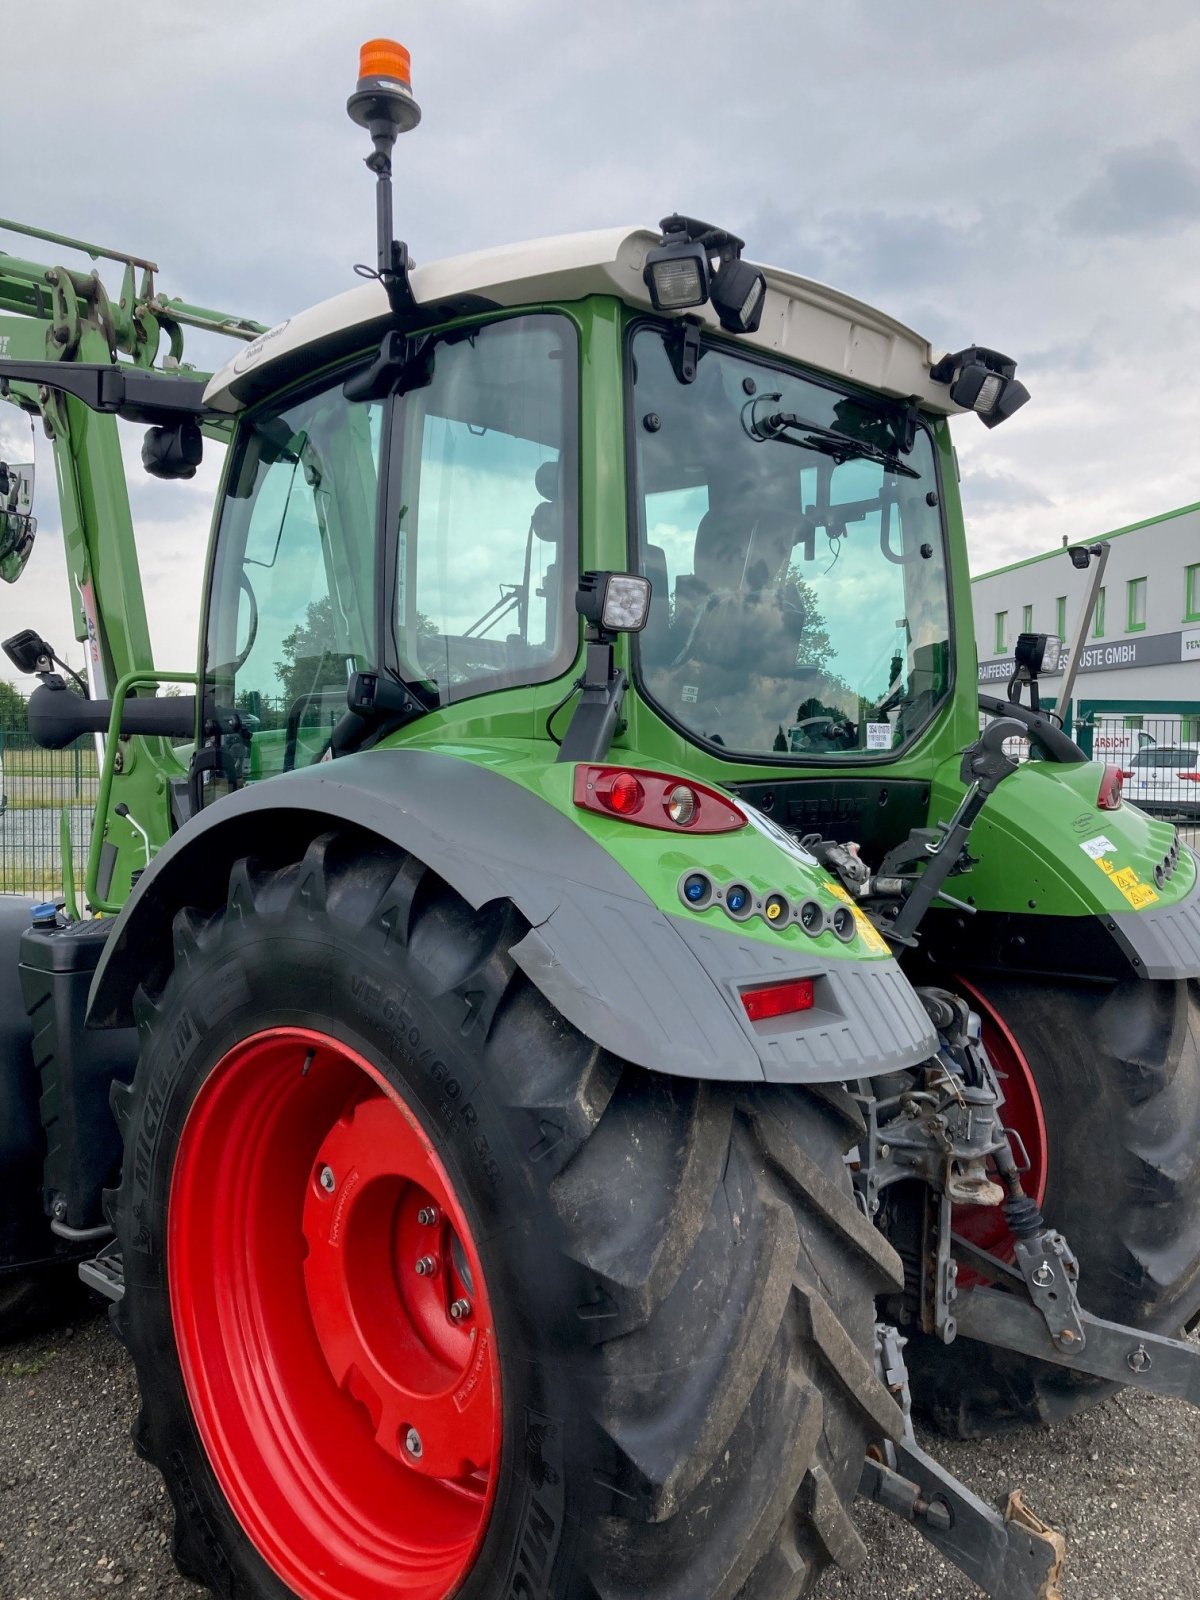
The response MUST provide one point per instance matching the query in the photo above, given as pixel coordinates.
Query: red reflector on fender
(778, 999)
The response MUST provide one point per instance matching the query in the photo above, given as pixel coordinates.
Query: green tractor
(645, 1035)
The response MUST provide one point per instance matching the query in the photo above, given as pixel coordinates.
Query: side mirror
(17, 524)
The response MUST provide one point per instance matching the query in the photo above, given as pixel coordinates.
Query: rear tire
(681, 1286)
(1117, 1068)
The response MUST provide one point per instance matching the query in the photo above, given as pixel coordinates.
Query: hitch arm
(1015, 1557)
(1169, 1367)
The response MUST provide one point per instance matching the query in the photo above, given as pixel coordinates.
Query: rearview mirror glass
(17, 523)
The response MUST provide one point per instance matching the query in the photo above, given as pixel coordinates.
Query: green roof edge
(1132, 527)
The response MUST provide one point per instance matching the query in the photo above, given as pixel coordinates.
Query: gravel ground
(82, 1517)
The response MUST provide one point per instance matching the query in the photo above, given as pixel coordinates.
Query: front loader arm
(79, 358)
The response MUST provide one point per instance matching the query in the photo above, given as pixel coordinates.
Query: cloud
(1144, 190)
(985, 491)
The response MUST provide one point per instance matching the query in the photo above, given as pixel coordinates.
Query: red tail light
(1111, 785)
(655, 800)
(1190, 777)
(778, 999)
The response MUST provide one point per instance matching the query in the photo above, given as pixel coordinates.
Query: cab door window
(292, 606)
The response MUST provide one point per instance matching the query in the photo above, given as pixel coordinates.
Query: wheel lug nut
(460, 1309)
(327, 1180)
(426, 1266)
(427, 1216)
(412, 1443)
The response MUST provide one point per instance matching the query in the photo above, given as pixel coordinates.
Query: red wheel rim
(985, 1226)
(333, 1324)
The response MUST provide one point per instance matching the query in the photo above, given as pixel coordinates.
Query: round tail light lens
(681, 805)
(624, 795)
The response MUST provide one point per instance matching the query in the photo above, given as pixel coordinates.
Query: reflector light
(1111, 785)
(778, 999)
(655, 800)
(384, 58)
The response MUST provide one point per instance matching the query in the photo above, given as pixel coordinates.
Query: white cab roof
(802, 319)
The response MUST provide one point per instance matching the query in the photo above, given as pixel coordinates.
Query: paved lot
(81, 1517)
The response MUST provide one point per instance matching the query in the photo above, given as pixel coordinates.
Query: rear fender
(652, 988)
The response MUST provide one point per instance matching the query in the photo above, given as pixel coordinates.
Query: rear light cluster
(1111, 785)
(655, 800)
(698, 891)
(778, 999)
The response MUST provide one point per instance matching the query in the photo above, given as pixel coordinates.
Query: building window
(1001, 632)
(1060, 616)
(1098, 624)
(1135, 605)
(1027, 620)
(1191, 609)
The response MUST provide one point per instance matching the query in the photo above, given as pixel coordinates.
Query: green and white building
(1140, 672)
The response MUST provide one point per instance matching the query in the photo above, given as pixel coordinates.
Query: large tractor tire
(429, 1296)
(1105, 1084)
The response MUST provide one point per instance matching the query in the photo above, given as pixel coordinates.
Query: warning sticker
(690, 693)
(1125, 879)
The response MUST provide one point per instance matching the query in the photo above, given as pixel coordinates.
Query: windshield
(800, 604)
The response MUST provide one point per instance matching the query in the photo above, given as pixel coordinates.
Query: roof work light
(697, 263)
(983, 381)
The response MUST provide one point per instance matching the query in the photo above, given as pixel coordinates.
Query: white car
(1165, 780)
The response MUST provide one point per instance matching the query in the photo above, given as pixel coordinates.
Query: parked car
(1165, 781)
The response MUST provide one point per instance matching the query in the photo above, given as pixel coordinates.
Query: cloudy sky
(1024, 175)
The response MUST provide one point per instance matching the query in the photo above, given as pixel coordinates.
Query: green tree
(13, 717)
(311, 661)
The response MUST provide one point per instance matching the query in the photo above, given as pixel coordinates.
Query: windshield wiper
(782, 424)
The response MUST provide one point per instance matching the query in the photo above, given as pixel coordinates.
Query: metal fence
(36, 788)
(1160, 757)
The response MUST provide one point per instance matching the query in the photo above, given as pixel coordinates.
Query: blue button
(696, 887)
(737, 898)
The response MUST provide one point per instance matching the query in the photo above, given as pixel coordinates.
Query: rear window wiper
(790, 428)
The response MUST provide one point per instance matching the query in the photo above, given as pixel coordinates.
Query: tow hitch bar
(1011, 1557)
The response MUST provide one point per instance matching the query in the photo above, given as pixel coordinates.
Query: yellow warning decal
(1125, 879)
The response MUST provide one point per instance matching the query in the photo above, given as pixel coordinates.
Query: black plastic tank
(75, 1066)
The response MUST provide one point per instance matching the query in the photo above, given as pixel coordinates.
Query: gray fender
(657, 990)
